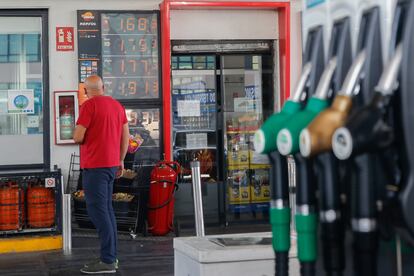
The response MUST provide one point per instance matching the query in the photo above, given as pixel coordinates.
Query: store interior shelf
(241, 131)
(248, 166)
(194, 130)
(193, 148)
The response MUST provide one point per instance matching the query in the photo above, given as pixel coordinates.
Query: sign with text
(20, 101)
(64, 39)
(123, 47)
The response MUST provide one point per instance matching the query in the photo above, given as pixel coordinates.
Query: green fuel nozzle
(288, 136)
(264, 138)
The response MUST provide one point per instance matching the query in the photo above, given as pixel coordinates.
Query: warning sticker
(50, 182)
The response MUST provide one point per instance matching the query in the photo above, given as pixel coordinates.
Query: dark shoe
(99, 267)
(98, 260)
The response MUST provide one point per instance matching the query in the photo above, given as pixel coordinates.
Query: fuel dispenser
(377, 130)
(264, 142)
(332, 230)
(406, 197)
(287, 143)
(317, 137)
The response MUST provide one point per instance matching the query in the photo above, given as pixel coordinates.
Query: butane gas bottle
(161, 197)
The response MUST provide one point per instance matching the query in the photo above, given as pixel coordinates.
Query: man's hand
(120, 171)
(79, 134)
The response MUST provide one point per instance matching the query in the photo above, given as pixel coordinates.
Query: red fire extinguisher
(161, 197)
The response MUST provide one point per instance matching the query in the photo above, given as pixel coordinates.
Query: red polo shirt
(103, 117)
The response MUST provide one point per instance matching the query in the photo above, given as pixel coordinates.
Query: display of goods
(134, 143)
(40, 207)
(11, 202)
(238, 187)
(79, 194)
(206, 159)
(122, 197)
(130, 174)
(125, 197)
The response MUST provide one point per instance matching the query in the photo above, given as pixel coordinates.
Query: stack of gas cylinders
(348, 127)
(26, 205)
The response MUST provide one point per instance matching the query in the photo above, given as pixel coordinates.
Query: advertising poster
(20, 101)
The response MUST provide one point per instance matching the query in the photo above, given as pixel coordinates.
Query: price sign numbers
(130, 88)
(125, 66)
(130, 54)
(129, 23)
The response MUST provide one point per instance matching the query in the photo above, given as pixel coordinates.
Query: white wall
(295, 43)
(207, 24)
(63, 66)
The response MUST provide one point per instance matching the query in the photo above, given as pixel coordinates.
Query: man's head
(94, 86)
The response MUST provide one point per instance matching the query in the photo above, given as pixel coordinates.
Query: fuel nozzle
(366, 130)
(288, 137)
(317, 137)
(264, 137)
(264, 142)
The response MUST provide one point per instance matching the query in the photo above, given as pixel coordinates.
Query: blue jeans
(98, 186)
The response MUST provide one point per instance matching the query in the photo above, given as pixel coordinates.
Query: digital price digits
(130, 55)
(130, 88)
(140, 24)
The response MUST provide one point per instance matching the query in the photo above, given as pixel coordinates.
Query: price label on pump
(50, 182)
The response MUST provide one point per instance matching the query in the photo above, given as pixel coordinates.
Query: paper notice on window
(244, 105)
(32, 121)
(188, 108)
(3, 102)
(196, 140)
(20, 101)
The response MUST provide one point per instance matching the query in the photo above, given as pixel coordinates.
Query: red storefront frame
(283, 9)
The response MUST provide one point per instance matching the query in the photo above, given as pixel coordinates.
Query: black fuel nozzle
(364, 134)
(367, 129)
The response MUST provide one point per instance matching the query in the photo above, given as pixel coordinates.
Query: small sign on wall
(64, 39)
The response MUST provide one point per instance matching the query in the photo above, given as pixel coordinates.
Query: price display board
(126, 52)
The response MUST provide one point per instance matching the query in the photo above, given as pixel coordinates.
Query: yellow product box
(238, 187)
(238, 150)
(260, 186)
(238, 157)
(258, 158)
(239, 195)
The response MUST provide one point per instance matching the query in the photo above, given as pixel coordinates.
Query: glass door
(247, 97)
(24, 122)
(194, 130)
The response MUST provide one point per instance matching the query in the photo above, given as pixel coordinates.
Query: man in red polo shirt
(102, 131)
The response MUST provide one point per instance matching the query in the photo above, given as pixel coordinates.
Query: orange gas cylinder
(40, 207)
(12, 213)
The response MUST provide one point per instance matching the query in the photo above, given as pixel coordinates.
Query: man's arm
(79, 134)
(124, 143)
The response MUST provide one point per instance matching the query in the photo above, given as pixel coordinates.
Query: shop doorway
(24, 90)
(218, 101)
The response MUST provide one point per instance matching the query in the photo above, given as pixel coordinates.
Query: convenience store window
(24, 121)
(218, 102)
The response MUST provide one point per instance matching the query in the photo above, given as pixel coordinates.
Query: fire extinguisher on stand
(163, 185)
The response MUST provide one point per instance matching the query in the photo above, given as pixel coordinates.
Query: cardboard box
(240, 157)
(238, 187)
(260, 186)
(237, 150)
